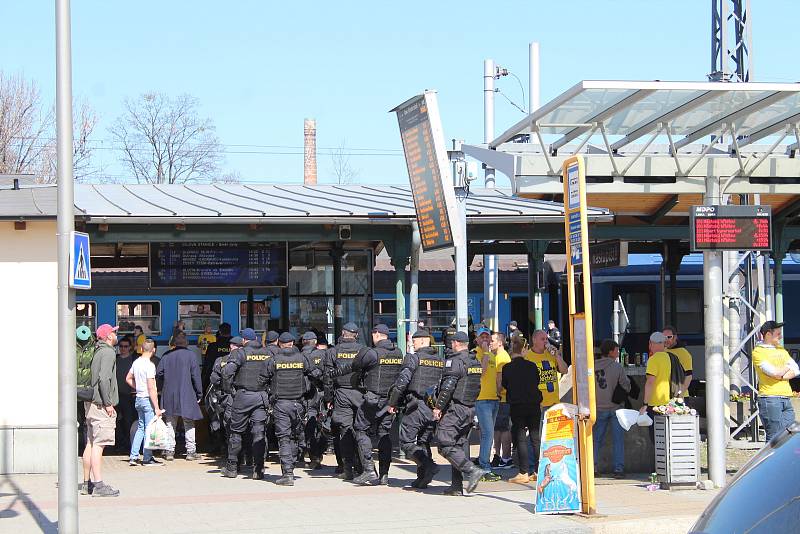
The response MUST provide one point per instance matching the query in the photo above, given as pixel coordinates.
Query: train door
(640, 306)
(519, 313)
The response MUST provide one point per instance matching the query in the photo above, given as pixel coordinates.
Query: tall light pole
(67, 379)
(490, 271)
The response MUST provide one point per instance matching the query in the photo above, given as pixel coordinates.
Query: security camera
(345, 234)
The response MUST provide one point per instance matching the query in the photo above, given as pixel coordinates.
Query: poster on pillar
(576, 239)
(558, 478)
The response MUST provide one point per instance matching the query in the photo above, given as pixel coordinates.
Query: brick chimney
(310, 152)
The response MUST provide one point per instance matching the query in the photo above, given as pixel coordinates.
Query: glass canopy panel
(582, 108)
(778, 111)
(650, 108)
(714, 110)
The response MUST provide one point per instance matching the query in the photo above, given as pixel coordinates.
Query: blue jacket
(182, 388)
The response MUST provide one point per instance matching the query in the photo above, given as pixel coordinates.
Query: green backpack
(85, 354)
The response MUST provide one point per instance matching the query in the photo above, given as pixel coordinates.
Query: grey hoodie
(607, 374)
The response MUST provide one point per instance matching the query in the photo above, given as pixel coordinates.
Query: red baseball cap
(104, 329)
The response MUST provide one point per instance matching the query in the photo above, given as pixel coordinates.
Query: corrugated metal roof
(241, 201)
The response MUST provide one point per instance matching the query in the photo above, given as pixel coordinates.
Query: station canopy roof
(239, 203)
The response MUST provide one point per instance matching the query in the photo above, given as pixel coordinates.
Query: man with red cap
(101, 418)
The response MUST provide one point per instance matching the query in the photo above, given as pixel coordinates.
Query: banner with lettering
(558, 480)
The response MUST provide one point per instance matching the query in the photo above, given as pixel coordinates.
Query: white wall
(28, 319)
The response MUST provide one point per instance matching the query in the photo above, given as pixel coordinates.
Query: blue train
(124, 298)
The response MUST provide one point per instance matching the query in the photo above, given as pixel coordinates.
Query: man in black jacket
(315, 442)
(520, 379)
(416, 383)
(380, 368)
(455, 410)
(344, 392)
(217, 349)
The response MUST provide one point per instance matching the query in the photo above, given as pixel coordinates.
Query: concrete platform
(192, 497)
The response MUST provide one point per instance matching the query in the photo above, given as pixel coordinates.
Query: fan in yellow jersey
(674, 346)
(551, 365)
(774, 368)
(205, 339)
(493, 357)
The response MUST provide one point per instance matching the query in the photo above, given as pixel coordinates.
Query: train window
(437, 314)
(689, 319)
(198, 314)
(639, 306)
(86, 314)
(385, 312)
(146, 314)
(261, 315)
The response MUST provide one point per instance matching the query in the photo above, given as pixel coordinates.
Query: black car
(764, 496)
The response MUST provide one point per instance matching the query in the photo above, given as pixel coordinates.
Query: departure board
(731, 228)
(434, 200)
(216, 265)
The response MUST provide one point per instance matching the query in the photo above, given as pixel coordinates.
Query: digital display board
(215, 265)
(731, 228)
(426, 159)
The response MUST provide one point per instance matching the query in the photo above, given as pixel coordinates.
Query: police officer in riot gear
(219, 402)
(379, 368)
(241, 376)
(287, 374)
(419, 377)
(455, 409)
(271, 342)
(315, 442)
(344, 390)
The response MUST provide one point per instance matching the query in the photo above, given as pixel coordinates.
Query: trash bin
(677, 446)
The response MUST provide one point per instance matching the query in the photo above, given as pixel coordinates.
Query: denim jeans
(146, 413)
(486, 410)
(776, 414)
(617, 433)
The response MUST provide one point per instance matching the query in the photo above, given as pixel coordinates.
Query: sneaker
(86, 488)
(152, 462)
(190, 457)
(105, 491)
(533, 478)
(507, 463)
(490, 477)
(521, 478)
(169, 456)
(133, 463)
(496, 461)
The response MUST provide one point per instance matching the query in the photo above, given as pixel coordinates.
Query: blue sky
(260, 68)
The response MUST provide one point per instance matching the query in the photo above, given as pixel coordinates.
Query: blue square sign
(80, 268)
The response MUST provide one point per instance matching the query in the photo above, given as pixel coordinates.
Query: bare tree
(84, 120)
(24, 127)
(343, 171)
(232, 177)
(164, 141)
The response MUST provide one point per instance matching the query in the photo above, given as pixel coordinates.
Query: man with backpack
(675, 346)
(101, 418)
(665, 376)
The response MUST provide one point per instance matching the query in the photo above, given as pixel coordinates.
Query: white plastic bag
(158, 435)
(644, 420)
(627, 418)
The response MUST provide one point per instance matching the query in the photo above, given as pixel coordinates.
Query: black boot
(368, 476)
(230, 470)
(429, 470)
(454, 492)
(287, 479)
(347, 472)
(473, 477)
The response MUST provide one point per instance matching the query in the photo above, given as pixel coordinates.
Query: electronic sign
(217, 265)
(731, 228)
(428, 171)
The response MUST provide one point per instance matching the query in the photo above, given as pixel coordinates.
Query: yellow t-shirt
(548, 376)
(489, 375)
(204, 340)
(659, 365)
(684, 356)
(139, 342)
(778, 358)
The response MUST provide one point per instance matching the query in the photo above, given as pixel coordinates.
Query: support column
(536, 251)
(778, 259)
(715, 389)
(673, 256)
(490, 267)
(734, 323)
(413, 293)
(336, 254)
(400, 299)
(250, 321)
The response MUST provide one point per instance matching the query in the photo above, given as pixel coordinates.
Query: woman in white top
(142, 378)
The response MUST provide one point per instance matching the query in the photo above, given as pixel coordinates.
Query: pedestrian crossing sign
(80, 269)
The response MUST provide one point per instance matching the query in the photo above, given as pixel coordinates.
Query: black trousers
(416, 431)
(452, 433)
(288, 417)
(127, 416)
(249, 408)
(372, 419)
(524, 417)
(314, 441)
(346, 403)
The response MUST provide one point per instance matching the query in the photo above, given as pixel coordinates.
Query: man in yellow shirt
(774, 368)
(674, 346)
(657, 384)
(488, 403)
(551, 365)
(139, 338)
(205, 339)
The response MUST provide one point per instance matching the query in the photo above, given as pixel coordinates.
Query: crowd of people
(306, 397)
